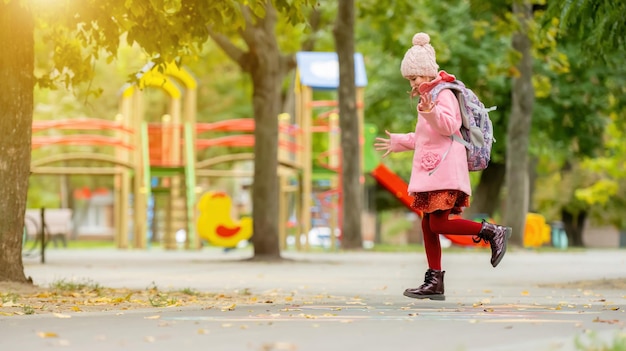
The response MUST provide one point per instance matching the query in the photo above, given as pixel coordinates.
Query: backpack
(477, 129)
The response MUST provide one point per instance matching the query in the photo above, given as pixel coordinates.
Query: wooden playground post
(283, 214)
(122, 181)
(192, 242)
(305, 100)
(334, 162)
(189, 119)
(140, 186)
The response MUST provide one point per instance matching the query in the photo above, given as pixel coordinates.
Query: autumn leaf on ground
(62, 316)
(47, 335)
(608, 321)
(229, 308)
(279, 346)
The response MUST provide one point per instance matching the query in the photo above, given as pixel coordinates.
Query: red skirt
(432, 201)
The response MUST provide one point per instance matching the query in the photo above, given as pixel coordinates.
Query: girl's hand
(426, 103)
(383, 144)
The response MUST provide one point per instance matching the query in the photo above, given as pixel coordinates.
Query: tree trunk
(267, 76)
(518, 132)
(574, 227)
(486, 197)
(351, 188)
(16, 117)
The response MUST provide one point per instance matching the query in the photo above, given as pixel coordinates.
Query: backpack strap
(460, 140)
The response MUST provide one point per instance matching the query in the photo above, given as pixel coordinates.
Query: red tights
(436, 223)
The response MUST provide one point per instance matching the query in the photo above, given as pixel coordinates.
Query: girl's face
(415, 82)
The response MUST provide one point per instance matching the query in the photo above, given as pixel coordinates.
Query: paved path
(345, 301)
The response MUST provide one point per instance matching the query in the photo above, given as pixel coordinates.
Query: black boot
(431, 289)
(496, 236)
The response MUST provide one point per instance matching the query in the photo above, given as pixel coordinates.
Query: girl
(439, 181)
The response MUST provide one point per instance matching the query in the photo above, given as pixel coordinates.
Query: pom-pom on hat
(420, 60)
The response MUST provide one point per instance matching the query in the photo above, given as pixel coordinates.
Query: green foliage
(79, 32)
(398, 225)
(606, 195)
(570, 117)
(577, 136)
(592, 342)
(597, 24)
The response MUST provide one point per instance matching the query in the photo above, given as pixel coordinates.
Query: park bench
(58, 224)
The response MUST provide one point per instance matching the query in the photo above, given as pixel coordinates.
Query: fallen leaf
(62, 316)
(279, 346)
(608, 321)
(153, 317)
(229, 308)
(611, 308)
(525, 293)
(47, 335)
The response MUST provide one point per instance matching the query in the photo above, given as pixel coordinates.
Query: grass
(91, 244)
(10, 297)
(593, 343)
(76, 286)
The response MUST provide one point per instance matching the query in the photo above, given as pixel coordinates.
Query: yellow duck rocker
(215, 223)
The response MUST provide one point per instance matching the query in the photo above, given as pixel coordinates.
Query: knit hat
(420, 60)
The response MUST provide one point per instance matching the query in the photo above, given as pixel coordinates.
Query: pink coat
(439, 163)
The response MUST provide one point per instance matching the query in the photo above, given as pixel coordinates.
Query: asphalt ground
(337, 301)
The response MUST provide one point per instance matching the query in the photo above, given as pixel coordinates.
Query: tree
(518, 133)
(16, 107)
(352, 190)
(168, 31)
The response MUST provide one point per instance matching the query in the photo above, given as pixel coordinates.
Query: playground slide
(398, 187)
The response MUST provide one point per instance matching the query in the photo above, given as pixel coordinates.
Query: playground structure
(319, 71)
(152, 160)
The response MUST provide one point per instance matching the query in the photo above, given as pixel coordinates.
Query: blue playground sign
(320, 70)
